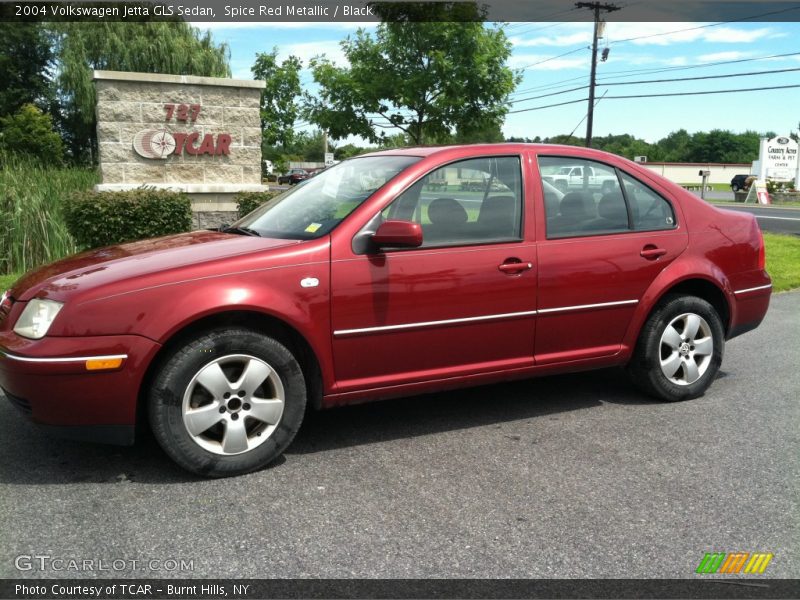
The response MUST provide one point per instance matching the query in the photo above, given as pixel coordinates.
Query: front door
(455, 305)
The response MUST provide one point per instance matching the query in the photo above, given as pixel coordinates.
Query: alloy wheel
(686, 348)
(233, 404)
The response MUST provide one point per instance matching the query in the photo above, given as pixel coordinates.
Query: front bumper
(48, 381)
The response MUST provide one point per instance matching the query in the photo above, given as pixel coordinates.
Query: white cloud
(529, 62)
(583, 37)
(663, 34)
(655, 34)
(305, 51)
(722, 56)
(730, 35)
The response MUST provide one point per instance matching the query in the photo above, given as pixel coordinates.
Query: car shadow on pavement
(29, 456)
(462, 409)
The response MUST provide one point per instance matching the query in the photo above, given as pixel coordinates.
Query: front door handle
(651, 252)
(515, 267)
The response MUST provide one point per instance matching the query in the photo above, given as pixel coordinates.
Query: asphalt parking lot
(569, 476)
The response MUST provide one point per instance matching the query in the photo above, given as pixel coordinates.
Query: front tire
(679, 350)
(227, 402)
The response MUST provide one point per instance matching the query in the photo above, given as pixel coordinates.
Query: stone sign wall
(200, 135)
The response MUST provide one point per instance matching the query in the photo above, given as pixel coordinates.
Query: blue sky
(661, 46)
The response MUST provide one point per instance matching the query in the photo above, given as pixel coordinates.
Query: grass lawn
(716, 187)
(789, 204)
(783, 261)
(7, 280)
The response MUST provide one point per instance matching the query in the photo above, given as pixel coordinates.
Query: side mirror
(398, 234)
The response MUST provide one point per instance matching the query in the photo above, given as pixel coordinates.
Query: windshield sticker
(313, 227)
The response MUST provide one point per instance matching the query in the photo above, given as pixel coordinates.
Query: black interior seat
(448, 220)
(574, 213)
(612, 214)
(498, 218)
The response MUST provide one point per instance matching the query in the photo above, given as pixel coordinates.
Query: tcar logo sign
(159, 144)
(152, 143)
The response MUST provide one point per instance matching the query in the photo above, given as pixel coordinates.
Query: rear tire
(227, 402)
(679, 350)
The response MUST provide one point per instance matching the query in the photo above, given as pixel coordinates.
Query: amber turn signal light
(103, 364)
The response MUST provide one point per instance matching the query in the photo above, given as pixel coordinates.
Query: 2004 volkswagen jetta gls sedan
(394, 273)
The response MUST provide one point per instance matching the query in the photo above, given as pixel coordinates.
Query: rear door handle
(651, 252)
(515, 267)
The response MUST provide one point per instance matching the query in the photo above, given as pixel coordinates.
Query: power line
(705, 92)
(751, 73)
(651, 71)
(541, 62)
(575, 89)
(652, 35)
(584, 116)
(673, 80)
(611, 74)
(545, 18)
(522, 110)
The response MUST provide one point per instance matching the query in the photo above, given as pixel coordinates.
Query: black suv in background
(737, 183)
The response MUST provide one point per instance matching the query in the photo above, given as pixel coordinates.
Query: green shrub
(33, 229)
(29, 133)
(103, 218)
(247, 202)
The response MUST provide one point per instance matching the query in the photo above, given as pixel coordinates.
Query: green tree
(675, 147)
(26, 60)
(723, 147)
(29, 133)
(350, 150)
(280, 98)
(173, 47)
(424, 79)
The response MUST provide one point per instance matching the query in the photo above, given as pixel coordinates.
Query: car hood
(102, 266)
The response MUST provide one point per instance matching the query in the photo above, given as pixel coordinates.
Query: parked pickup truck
(573, 178)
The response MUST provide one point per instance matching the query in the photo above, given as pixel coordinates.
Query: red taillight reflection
(762, 251)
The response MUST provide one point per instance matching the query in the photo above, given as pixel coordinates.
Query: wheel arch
(702, 288)
(261, 322)
(712, 286)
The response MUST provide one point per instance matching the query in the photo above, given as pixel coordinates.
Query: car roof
(425, 151)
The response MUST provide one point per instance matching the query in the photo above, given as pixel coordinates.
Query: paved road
(566, 476)
(775, 220)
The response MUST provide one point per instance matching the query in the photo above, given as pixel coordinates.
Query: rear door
(598, 253)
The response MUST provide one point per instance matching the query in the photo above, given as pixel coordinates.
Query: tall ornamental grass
(32, 227)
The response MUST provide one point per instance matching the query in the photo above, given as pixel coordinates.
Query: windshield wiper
(240, 231)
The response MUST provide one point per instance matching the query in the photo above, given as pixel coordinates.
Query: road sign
(778, 158)
(761, 192)
(328, 159)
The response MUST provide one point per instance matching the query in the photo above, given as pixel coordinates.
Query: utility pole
(596, 7)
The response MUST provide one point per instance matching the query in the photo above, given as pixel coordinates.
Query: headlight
(37, 317)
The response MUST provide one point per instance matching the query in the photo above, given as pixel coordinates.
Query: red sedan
(384, 276)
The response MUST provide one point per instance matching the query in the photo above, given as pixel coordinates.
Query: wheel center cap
(234, 404)
(684, 349)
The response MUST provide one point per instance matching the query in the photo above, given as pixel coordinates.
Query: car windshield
(318, 204)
